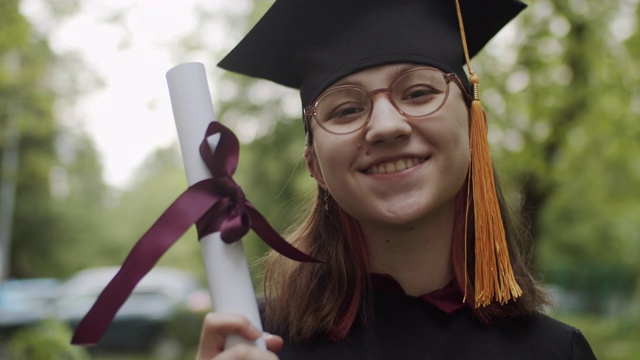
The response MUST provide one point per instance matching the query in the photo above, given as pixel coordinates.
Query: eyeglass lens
(418, 92)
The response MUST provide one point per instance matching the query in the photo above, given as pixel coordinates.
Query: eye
(420, 93)
(346, 112)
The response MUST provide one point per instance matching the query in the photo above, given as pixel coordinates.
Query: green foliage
(158, 182)
(26, 112)
(565, 131)
(79, 197)
(185, 328)
(44, 341)
(59, 197)
(14, 29)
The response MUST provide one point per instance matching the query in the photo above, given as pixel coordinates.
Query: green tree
(48, 339)
(26, 112)
(158, 182)
(33, 81)
(566, 134)
(80, 197)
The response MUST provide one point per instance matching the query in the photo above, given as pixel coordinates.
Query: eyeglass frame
(309, 112)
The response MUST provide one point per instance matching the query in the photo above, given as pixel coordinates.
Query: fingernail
(255, 331)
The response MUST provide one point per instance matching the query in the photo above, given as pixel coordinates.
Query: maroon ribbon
(215, 204)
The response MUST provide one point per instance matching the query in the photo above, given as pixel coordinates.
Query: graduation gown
(438, 326)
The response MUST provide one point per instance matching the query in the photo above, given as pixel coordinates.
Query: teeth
(401, 165)
(410, 163)
(390, 168)
(393, 166)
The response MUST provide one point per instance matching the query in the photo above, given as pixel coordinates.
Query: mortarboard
(310, 44)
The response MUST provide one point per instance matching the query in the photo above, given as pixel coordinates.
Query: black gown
(434, 327)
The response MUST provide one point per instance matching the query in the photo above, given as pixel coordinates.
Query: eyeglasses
(416, 93)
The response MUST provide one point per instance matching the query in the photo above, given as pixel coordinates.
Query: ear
(313, 166)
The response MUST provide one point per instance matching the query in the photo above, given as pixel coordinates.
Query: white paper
(226, 265)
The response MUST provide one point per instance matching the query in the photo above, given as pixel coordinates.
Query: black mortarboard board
(310, 44)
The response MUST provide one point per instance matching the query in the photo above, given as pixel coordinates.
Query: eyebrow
(397, 70)
(343, 82)
(400, 68)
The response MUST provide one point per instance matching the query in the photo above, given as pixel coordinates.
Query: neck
(417, 256)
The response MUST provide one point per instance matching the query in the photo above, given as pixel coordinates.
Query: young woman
(420, 260)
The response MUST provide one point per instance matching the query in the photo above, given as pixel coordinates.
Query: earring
(326, 200)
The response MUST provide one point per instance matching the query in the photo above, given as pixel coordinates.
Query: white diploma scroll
(225, 264)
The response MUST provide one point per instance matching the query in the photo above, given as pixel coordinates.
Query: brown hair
(520, 248)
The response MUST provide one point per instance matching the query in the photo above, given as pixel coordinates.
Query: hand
(217, 326)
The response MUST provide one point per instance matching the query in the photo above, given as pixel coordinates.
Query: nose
(386, 123)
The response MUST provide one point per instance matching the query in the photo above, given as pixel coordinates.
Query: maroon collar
(447, 299)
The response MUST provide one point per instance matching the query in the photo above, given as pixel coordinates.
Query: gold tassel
(494, 278)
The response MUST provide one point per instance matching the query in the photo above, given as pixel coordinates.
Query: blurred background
(89, 159)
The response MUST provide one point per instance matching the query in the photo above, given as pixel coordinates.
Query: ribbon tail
(172, 224)
(261, 227)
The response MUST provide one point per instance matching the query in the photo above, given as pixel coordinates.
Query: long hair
(304, 300)
(307, 300)
(520, 248)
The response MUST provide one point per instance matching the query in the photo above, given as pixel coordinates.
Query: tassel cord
(494, 277)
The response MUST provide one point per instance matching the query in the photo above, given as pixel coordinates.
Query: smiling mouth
(390, 167)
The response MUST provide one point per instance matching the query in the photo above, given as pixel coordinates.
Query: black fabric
(310, 44)
(406, 327)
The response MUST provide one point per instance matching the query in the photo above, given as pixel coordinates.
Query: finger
(246, 352)
(274, 342)
(217, 326)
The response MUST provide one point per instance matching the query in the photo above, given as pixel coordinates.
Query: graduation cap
(310, 44)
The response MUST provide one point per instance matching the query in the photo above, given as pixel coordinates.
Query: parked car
(25, 302)
(140, 324)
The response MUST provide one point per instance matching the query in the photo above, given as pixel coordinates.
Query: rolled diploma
(226, 266)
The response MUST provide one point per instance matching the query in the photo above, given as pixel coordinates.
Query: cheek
(452, 130)
(462, 137)
(324, 159)
(452, 139)
(463, 147)
(463, 131)
(461, 117)
(334, 158)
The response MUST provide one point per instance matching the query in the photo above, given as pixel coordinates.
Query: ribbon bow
(215, 204)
